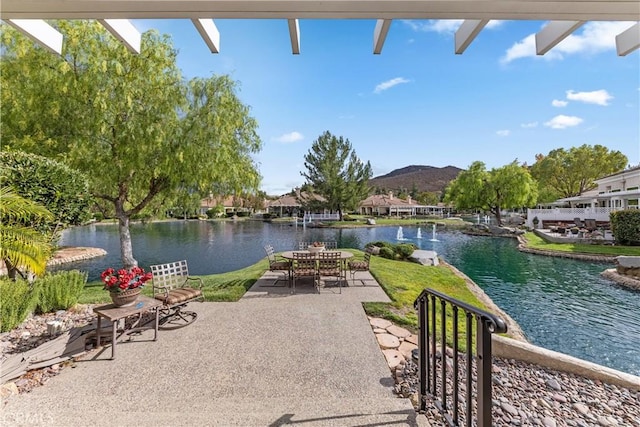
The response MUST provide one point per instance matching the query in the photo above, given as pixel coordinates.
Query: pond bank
(73, 253)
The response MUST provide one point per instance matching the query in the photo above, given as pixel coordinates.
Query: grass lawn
(536, 242)
(217, 287)
(403, 281)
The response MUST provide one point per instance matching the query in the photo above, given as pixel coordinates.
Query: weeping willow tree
(506, 187)
(130, 122)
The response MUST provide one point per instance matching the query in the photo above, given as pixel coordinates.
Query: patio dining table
(343, 254)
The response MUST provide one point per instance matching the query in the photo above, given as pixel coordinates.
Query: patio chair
(578, 222)
(278, 265)
(590, 224)
(360, 265)
(329, 265)
(303, 265)
(171, 286)
(332, 244)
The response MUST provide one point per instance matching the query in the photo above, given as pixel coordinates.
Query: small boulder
(394, 358)
(387, 341)
(425, 257)
(376, 322)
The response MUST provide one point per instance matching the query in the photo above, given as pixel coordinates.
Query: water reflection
(560, 304)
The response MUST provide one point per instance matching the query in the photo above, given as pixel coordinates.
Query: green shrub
(59, 291)
(625, 226)
(388, 253)
(404, 250)
(393, 250)
(17, 300)
(381, 244)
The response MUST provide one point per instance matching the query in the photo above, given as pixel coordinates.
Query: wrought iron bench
(171, 286)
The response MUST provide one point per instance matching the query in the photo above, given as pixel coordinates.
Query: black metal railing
(433, 384)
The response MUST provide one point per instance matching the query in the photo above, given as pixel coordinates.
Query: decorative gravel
(529, 395)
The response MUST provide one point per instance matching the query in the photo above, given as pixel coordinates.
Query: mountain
(425, 178)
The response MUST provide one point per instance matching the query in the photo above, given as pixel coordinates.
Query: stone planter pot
(126, 298)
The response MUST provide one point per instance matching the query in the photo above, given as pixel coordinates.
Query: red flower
(124, 279)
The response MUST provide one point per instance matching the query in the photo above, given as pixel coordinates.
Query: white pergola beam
(380, 34)
(294, 35)
(209, 33)
(553, 33)
(123, 30)
(548, 10)
(467, 32)
(628, 40)
(40, 32)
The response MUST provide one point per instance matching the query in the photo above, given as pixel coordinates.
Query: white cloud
(389, 84)
(504, 132)
(559, 103)
(595, 37)
(563, 122)
(290, 137)
(529, 125)
(443, 26)
(598, 97)
(526, 48)
(493, 24)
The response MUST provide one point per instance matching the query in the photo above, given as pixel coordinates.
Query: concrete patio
(270, 359)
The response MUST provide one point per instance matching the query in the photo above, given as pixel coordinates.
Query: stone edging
(627, 282)
(526, 352)
(72, 254)
(522, 247)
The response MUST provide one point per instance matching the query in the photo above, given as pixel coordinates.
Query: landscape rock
(424, 257)
(406, 348)
(380, 323)
(413, 339)
(394, 358)
(398, 331)
(388, 341)
(530, 395)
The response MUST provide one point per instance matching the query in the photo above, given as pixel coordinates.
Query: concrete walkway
(270, 359)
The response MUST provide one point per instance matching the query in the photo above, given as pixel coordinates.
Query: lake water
(561, 304)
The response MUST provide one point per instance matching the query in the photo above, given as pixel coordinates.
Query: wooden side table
(114, 314)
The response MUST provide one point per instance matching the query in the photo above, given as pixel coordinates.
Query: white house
(387, 204)
(614, 192)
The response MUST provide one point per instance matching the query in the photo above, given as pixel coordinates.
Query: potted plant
(124, 285)
(316, 247)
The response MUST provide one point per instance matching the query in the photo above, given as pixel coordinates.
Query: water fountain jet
(433, 234)
(400, 234)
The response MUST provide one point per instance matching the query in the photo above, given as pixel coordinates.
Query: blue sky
(418, 102)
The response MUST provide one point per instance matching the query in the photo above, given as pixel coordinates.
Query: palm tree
(21, 245)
